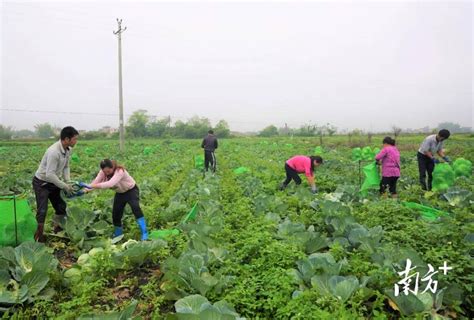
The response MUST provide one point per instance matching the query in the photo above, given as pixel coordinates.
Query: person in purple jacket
(301, 164)
(389, 157)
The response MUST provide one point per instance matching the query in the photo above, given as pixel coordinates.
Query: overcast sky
(367, 65)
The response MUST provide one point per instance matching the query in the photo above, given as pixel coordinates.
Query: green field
(252, 252)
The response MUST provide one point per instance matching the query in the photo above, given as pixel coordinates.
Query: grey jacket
(209, 143)
(55, 163)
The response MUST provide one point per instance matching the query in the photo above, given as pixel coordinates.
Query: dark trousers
(390, 182)
(291, 174)
(45, 191)
(132, 197)
(210, 158)
(425, 165)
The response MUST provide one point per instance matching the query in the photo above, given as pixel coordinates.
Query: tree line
(141, 125)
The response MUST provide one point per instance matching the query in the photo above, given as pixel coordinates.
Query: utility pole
(118, 33)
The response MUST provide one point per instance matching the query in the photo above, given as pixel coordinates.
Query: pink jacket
(121, 181)
(301, 164)
(390, 157)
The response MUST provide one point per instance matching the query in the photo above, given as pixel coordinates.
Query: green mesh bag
(443, 177)
(372, 178)
(356, 154)
(462, 167)
(25, 221)
(241, 170)
(318, 151)
(367, 154)
(163, 234)
(199, 162)
(192, 213)
(426, 213)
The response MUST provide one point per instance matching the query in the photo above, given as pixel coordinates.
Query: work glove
(435, 161)
(314, 189)
(446, 159)
(68, 190)
(83, 185)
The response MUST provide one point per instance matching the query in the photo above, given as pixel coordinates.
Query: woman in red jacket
(301, 164)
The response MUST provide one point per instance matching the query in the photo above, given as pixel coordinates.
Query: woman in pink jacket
(301, 164)
(389, 157)
(114, 176)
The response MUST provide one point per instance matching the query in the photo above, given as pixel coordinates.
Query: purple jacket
(390, 158)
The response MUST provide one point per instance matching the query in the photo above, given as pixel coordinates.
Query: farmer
(114, 176)
(389, 157)
(209, 143)
(301, 164)
(47, 184)
(432, 145)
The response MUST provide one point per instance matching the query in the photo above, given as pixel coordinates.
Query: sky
(365, 64)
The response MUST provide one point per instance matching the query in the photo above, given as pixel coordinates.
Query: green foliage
(125, 314)
(269, 131)
(6, 133)
(25, 273)
(197, 307)
(270, 254)
(44, 130)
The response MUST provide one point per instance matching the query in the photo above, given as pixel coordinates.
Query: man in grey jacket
(430, 147)
(47, 184)
(209, 143)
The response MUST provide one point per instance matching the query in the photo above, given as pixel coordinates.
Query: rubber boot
(282, 186)
(142, 224)
(39, 237)
(118, 231)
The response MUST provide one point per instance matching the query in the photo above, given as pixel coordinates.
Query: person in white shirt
(47, 184)
(432, 145)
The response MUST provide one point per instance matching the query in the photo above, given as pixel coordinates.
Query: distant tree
(396, 131)
(222, 129)
(23, 134)
(307, 130)
(369, 136)
(90, 135)
(331, 130)
(324, 130)
(137, 124)
(159, 128)
(453, 127)
(269, 131)
(44, 130)
(5, 132)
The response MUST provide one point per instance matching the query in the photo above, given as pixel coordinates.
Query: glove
(68, 190)
(446, 159)
(83, 185)
(314, 190)
(435, 161)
